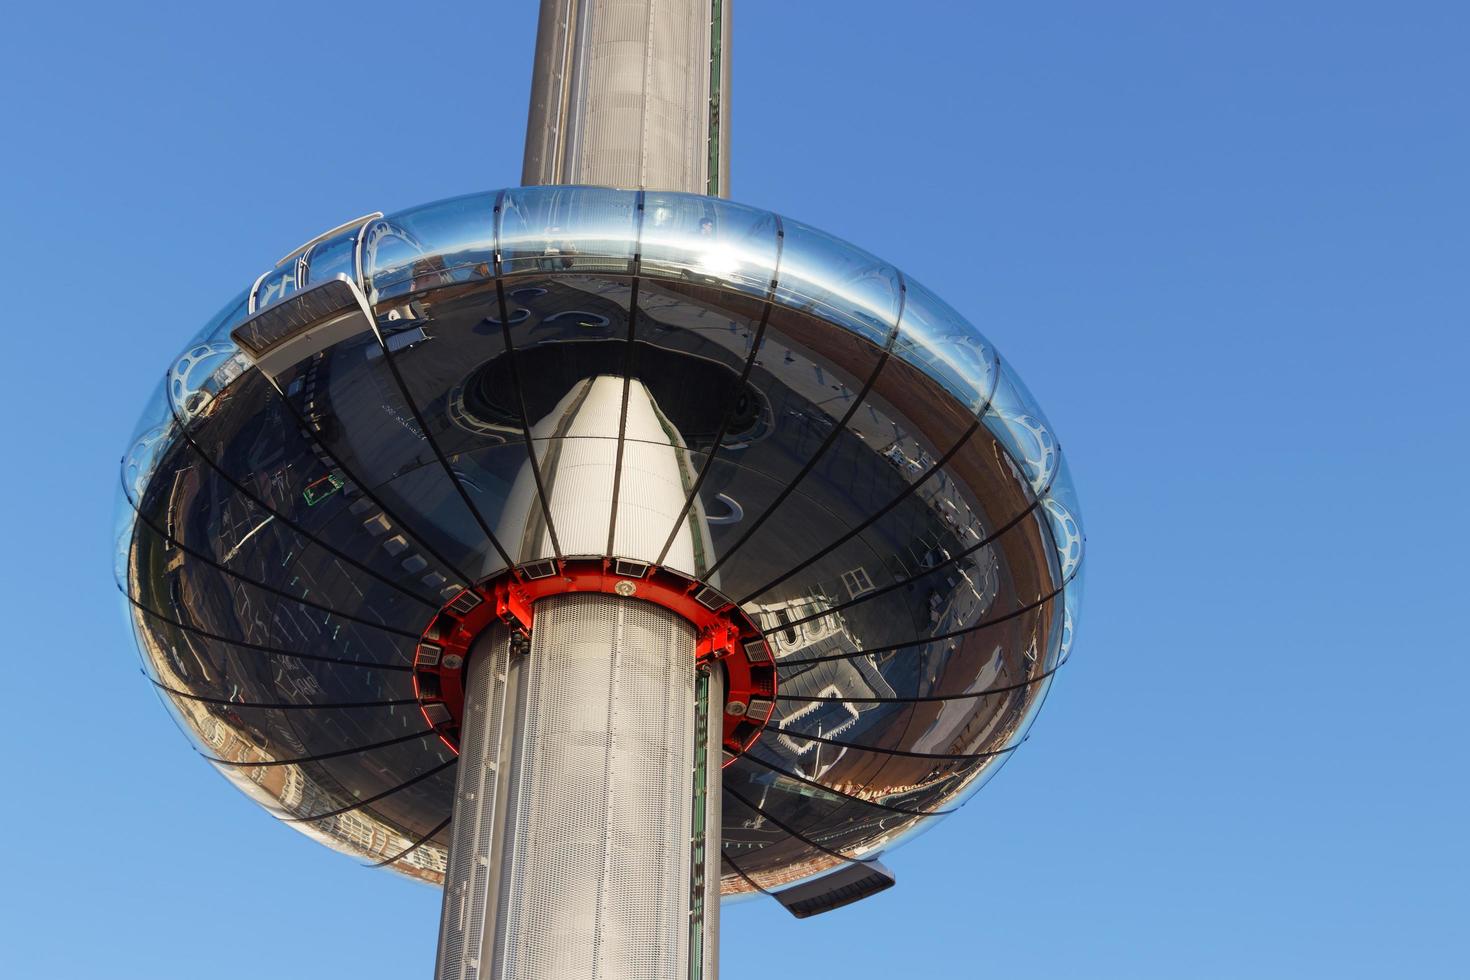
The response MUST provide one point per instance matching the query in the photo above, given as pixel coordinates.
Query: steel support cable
(937, 756)
(793, 832)
(186, 549)
(853, 532)
(262, 648)
(321, 756)
(832, 436)
(412, 847)
(617, 485)
(293, 525)
(748, 879)
(952, 634)
(308, 426)
(904, 494)
(359, 804)
(953, 559)
(734, 464)
(280, 705)
(933, 698)
(906, 811)
(515, 380)
(439, 453)
(755, 349)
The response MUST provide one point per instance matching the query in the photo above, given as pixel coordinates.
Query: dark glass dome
(859, 471)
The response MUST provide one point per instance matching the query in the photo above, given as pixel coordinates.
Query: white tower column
(631, 93)
(586, 827)
(586, 820)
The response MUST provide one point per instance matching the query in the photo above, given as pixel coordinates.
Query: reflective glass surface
(559, 371)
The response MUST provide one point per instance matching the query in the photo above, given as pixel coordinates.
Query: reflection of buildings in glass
(282, 788)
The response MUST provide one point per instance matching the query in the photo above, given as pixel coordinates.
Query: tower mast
(631, 94)
(586, 826)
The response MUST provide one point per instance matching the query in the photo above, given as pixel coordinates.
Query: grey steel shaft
(631, 94)
(578, 852)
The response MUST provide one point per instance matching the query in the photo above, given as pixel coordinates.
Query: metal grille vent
(464, 602)
(539, 569)
(710, 598)
(630, 569)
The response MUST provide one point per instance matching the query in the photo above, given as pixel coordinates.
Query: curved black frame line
(838, 793)
(281, 706)
(959, 556)
(515, 377)
(423, 425)
(931, 699)
(412, 847)
(188, 550)
(755, 349)
(938, 756)
(313, 435)
(837, 430)
(853, 532)
(293, 525)
(301, 760)
(637, 269)
(261, 648)
(952, 634)
(359, 804)
(793, 833)
(748, 879)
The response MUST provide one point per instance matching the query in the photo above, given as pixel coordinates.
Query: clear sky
(1224, 243)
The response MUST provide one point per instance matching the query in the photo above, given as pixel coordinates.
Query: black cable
(301, 760)
(439, 453)
(748, 879)
(293, 525)
(262, 585)
(281, 706)
(832, 436)
(515, 380)
(359, 804)
(884, 590)
(952, 634)
(956, 757)
(317, 658)
(791, 832)
(617, 484)
(839, 793)
(410, 848)
(755, 349)
(903, 495)
(308, 426)
(930, 699)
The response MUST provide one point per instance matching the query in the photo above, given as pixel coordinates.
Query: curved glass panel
(1016, 420)
(708, 241)
(438, 244)
(151, 438)
(333, 258)
(278, 284)
(943, 344)
(558, 229)
(831, 279)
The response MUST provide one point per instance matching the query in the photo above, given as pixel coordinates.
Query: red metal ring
(725, 635)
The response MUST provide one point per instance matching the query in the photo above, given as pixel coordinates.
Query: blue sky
(1225, 245)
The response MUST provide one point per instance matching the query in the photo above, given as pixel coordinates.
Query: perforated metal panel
(475, 844)
(622, 95)
(596, 876)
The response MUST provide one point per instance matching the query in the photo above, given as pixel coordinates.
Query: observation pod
(596, 553)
